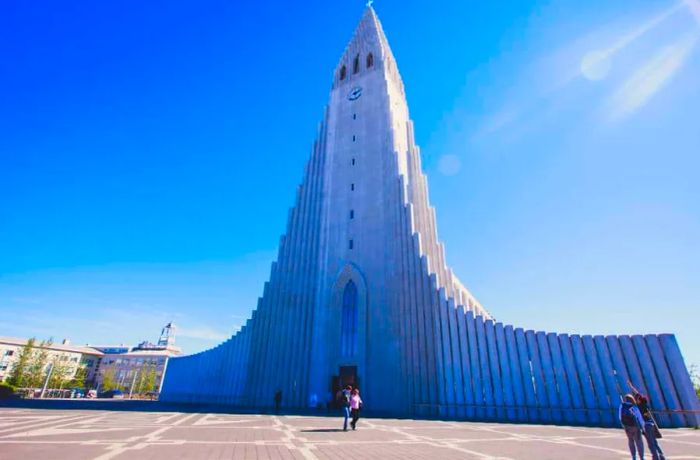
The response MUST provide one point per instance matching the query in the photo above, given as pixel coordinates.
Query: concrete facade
(360, 293)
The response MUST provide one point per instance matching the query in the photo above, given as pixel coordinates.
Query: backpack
(626, 416)
(343, 397)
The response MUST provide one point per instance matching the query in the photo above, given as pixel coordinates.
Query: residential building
(70, 357)
(124, 362)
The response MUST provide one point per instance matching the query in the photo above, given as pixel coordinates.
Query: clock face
(355, 93)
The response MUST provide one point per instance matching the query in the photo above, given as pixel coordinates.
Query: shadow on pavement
(322, 430)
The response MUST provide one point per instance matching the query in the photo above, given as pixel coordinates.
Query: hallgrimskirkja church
(361, 294)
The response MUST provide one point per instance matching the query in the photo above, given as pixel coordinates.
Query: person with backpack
(633, 423)
(345, 396)
(651, 430)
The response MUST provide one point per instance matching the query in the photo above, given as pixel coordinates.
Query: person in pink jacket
(355, 406)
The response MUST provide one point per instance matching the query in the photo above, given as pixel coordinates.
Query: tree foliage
(20, 369)
(147, 378)
(109, 380)
(36, 367)
(61, 371)
(78, 380)
(695, 377)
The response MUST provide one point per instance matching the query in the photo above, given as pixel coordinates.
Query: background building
(129, 366)
(122, 366)
(70, 358)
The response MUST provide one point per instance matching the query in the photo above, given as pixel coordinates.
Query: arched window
(370, 60)
(343, 71)
(356, 64)
(348, 332)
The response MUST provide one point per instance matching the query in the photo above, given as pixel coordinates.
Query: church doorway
(347, 375)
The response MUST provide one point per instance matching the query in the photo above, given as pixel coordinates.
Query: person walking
(278, 401)
(633, 423)
(650, 428)
(355, 406)
(345, 403)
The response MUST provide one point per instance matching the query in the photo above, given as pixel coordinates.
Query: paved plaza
(78, 434)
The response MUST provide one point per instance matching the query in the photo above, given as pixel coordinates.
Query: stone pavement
(98, 434)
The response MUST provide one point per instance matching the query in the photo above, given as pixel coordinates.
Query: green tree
(695, 377)
(109, 381)
(147, 378)
(78, 380)
(36, 368)
(20, 369)
(60, 372)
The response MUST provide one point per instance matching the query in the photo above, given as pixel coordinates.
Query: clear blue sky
(150, 150)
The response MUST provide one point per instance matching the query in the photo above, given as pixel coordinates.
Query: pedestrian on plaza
(278, 401)
(330, 403)
(355, 406)
(345, 396)
(633, 423)
(651, 429)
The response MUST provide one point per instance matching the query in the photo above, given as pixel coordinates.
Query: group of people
(637, 420)
(350, 401)
(634, 414)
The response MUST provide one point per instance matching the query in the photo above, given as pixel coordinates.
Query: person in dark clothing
(278, 401)
(650, 427)
(633, 423)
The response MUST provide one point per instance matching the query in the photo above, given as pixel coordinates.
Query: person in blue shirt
(633, 423)
(345, 396)
(650, 427)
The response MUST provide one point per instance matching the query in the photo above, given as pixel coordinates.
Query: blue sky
(149, 153)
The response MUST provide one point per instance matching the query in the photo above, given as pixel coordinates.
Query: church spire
(368, 49)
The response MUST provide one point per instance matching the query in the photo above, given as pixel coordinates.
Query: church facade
(361, 294)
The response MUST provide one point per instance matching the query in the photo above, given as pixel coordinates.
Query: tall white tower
(375, 206)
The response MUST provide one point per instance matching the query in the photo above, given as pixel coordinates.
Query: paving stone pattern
(76, 435)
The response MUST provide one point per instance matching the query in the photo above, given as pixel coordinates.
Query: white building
(127, 364)
(72, 356)
(124, 362)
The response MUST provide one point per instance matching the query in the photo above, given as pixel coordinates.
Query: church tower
(361, 294)
(376, 205)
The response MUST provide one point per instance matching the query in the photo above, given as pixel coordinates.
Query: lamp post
(133, 382)
(46, 382)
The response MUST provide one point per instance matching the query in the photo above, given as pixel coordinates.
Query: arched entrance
(346, 345)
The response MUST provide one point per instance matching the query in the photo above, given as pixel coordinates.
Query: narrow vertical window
(343, 71)
(353, 138)
(352, 162)
(354, 116)
(352, 213)
(349, 320)
(356, 64)
(352, 187)
(351, 244)
(370, 60)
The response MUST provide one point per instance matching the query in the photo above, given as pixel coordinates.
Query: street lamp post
(46, 382)
(133, 382)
